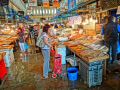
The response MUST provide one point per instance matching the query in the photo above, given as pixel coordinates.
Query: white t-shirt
(44, 35)
(53, 32)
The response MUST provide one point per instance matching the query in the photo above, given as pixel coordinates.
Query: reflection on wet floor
(25, 74)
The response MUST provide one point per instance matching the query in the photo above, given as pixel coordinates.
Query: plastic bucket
(72, 73)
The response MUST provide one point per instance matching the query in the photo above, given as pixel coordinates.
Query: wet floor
(26, 71)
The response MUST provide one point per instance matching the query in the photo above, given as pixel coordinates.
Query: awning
(18, 5)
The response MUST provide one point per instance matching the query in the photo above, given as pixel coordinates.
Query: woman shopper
(21, 39)
(46, 50)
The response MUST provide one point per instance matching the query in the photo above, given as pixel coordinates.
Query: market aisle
(25, 75)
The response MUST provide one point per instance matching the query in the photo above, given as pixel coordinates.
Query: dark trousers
(35, 44)
(112, 45)
(35, 40)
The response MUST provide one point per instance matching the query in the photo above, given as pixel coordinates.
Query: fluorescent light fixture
(43, 11)
(40, 11)
(49, 11)
(46, 11)
(52, 11)
(55, 11)
(37, 11)
(34, 11)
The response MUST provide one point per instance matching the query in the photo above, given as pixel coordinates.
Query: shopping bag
(26, 46)
(52, 52)
(29, 41)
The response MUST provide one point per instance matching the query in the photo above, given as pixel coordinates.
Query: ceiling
(40, 2)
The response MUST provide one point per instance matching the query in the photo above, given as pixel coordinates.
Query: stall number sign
(118, 10)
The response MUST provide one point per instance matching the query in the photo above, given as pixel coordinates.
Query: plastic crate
(91, 73)
(64, 72)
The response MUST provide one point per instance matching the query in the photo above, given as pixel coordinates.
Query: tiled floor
(25, 74)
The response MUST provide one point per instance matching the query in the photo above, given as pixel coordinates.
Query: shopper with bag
(21, 39)
(44, 42)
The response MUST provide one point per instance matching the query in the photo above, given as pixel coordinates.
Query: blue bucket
(72, 73)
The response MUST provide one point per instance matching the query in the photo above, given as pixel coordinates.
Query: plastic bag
(26, 46)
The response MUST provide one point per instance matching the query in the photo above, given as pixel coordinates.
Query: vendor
(21, 39)
(118, 26)
(111, 37)
(36, 32)
(31, 31)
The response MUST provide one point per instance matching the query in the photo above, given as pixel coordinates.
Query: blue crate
(91, 73)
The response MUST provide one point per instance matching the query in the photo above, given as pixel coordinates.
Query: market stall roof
(20, 4)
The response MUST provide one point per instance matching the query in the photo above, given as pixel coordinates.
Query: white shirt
(53, 32)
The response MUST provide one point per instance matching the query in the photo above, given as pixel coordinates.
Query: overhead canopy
(19, 4)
